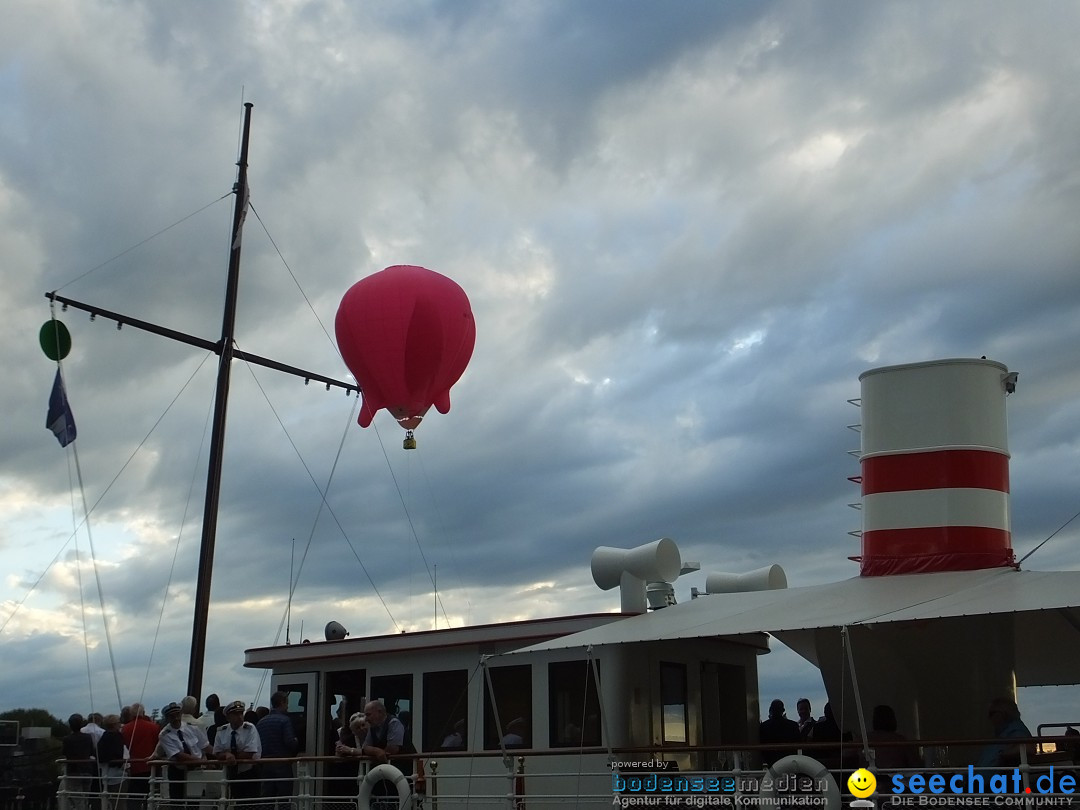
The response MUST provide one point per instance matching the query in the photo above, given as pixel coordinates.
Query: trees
(37, 717)
(30, 771)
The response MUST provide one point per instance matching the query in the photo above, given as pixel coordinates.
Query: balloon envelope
(407, 334)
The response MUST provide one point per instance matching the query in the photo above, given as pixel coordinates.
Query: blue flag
(60, 419)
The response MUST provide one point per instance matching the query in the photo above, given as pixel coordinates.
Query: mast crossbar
(201, 343)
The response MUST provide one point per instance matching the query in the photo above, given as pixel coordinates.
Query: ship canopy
(1039, 610)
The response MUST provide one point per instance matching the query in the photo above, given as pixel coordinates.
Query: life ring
(801, 766)
(378, 773)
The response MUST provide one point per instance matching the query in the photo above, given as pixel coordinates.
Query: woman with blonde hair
(358, 727)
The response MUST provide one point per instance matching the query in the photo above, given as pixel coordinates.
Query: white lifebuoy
(378, 773)
(804, 766)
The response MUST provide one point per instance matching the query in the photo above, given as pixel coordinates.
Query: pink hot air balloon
(407, 334)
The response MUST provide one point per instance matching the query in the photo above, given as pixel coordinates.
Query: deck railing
(596, 777)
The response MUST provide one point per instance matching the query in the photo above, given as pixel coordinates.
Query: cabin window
(675, 722)
(298, 710)
(9, 733)
(513, 696)
(395, 692)
(445, 710)
(346, 691)
(573, 705)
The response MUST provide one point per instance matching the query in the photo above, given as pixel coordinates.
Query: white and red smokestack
(935, 467)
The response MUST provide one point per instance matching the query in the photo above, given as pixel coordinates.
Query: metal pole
(217, 437)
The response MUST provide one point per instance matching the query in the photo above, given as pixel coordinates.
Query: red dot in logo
(1027, 790)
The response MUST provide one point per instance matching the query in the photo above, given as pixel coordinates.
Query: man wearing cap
(236, 744)
(183, 746)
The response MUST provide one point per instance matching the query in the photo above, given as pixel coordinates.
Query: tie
(232, 745)
(183, 742)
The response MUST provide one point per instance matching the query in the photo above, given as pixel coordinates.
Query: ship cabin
(470, 696)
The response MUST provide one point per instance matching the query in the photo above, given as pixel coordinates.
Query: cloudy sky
(685, 230)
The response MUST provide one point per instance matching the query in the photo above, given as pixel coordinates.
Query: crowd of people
(892, 750)
(110, 755)
(787, 736)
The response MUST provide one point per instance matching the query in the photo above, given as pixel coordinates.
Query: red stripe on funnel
(937, 469)
(943, 548)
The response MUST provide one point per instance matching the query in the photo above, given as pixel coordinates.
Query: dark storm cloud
(684, 234)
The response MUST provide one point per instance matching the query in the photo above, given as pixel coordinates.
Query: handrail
(546, 783)
(805, 745)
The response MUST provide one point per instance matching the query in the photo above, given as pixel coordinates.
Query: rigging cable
(105, 492)
(89, 512)
(408, 518)
(1044, 542)
(412, 527)
(179, 535)
(144, 241)
(93, 556)
(303, 558)
(449, 546)
(292, 275)
(322, 494)
(78, 579)
(97, 577)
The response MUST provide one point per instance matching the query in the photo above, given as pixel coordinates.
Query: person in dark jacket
(78, 750)
(278, 741)
(111, 761)
(778, 729)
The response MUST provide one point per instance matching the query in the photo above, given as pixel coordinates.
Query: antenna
(435, 585)
(288, 606)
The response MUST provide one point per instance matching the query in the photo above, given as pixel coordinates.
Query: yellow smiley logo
(862, 783)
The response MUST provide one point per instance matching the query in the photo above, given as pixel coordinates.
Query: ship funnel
(769, 578)
(935, 467)
(630, 569)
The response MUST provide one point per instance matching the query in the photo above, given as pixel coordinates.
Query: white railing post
(305, 799)
(62, 801)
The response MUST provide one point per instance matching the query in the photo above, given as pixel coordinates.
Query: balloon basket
(410, 441)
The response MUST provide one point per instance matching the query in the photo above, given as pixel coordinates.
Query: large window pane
(345, 695)
(446, 704)
(395, 692)
(573, 705)
(513, 696)
(675, 727)
(298, 710)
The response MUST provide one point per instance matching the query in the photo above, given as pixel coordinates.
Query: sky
(684, 229)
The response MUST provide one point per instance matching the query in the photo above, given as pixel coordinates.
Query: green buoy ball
(55, 340)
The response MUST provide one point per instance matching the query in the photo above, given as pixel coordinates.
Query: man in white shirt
(237, 744)
(93, 727)
(183, 746)
(190, 716)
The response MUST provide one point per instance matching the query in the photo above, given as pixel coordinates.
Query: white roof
(1045, 605)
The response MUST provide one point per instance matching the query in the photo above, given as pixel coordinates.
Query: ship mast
(226, 350)
(217, 436)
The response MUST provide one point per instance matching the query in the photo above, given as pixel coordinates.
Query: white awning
(1045, 606)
